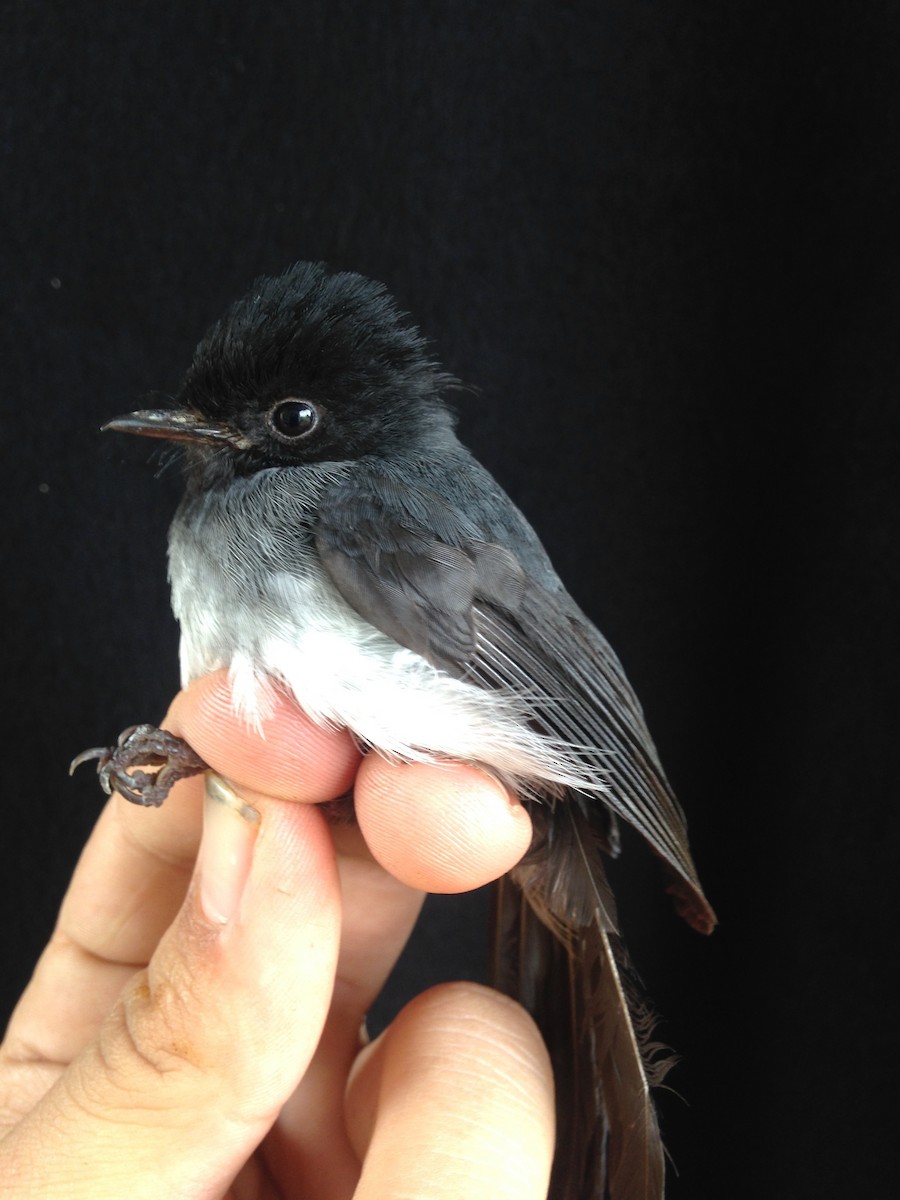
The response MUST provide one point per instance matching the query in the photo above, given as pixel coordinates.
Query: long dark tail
(558, 951)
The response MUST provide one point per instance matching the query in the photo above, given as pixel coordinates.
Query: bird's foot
(141, 746)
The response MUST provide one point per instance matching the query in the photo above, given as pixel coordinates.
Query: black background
(662, 240)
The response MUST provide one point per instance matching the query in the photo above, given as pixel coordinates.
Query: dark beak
(175, 426)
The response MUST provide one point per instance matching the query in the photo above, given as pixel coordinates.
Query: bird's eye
(294, 419)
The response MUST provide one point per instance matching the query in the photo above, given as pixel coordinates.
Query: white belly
(343, 672)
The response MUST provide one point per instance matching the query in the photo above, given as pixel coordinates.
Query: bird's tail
(557, 950)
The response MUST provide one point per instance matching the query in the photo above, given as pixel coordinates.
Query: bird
(336, 540)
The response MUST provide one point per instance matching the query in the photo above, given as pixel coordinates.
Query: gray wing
(413, 565)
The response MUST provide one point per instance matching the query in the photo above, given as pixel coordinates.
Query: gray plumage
(336, 537)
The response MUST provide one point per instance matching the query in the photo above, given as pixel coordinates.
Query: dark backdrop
(662, 240)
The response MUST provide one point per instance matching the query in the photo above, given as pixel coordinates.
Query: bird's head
(311, 366)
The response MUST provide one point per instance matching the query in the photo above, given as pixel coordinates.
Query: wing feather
(582, 697)
(410, 562)
(421, 571)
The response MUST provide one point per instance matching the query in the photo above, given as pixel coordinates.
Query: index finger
(286, 756)
(133, 874)
(134, 871)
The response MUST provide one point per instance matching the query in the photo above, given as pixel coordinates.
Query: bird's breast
(252, 596)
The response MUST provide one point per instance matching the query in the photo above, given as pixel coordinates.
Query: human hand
(192, 1028)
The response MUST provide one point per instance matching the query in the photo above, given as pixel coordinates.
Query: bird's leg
(140, 746)
(170, 758)
(341, 811)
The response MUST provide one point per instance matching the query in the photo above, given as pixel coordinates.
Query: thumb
(190, 1069)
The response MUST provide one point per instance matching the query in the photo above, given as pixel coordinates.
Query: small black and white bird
(336, 540)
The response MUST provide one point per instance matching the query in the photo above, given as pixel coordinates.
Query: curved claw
(101, 752)
(118, 767)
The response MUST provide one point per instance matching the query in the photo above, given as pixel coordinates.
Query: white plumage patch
(238, 610)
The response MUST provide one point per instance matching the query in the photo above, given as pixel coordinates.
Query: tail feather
(558, 951)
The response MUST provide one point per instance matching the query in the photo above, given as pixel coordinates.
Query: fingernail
(226, 850)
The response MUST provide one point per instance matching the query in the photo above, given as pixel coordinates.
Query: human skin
(193, 1027)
